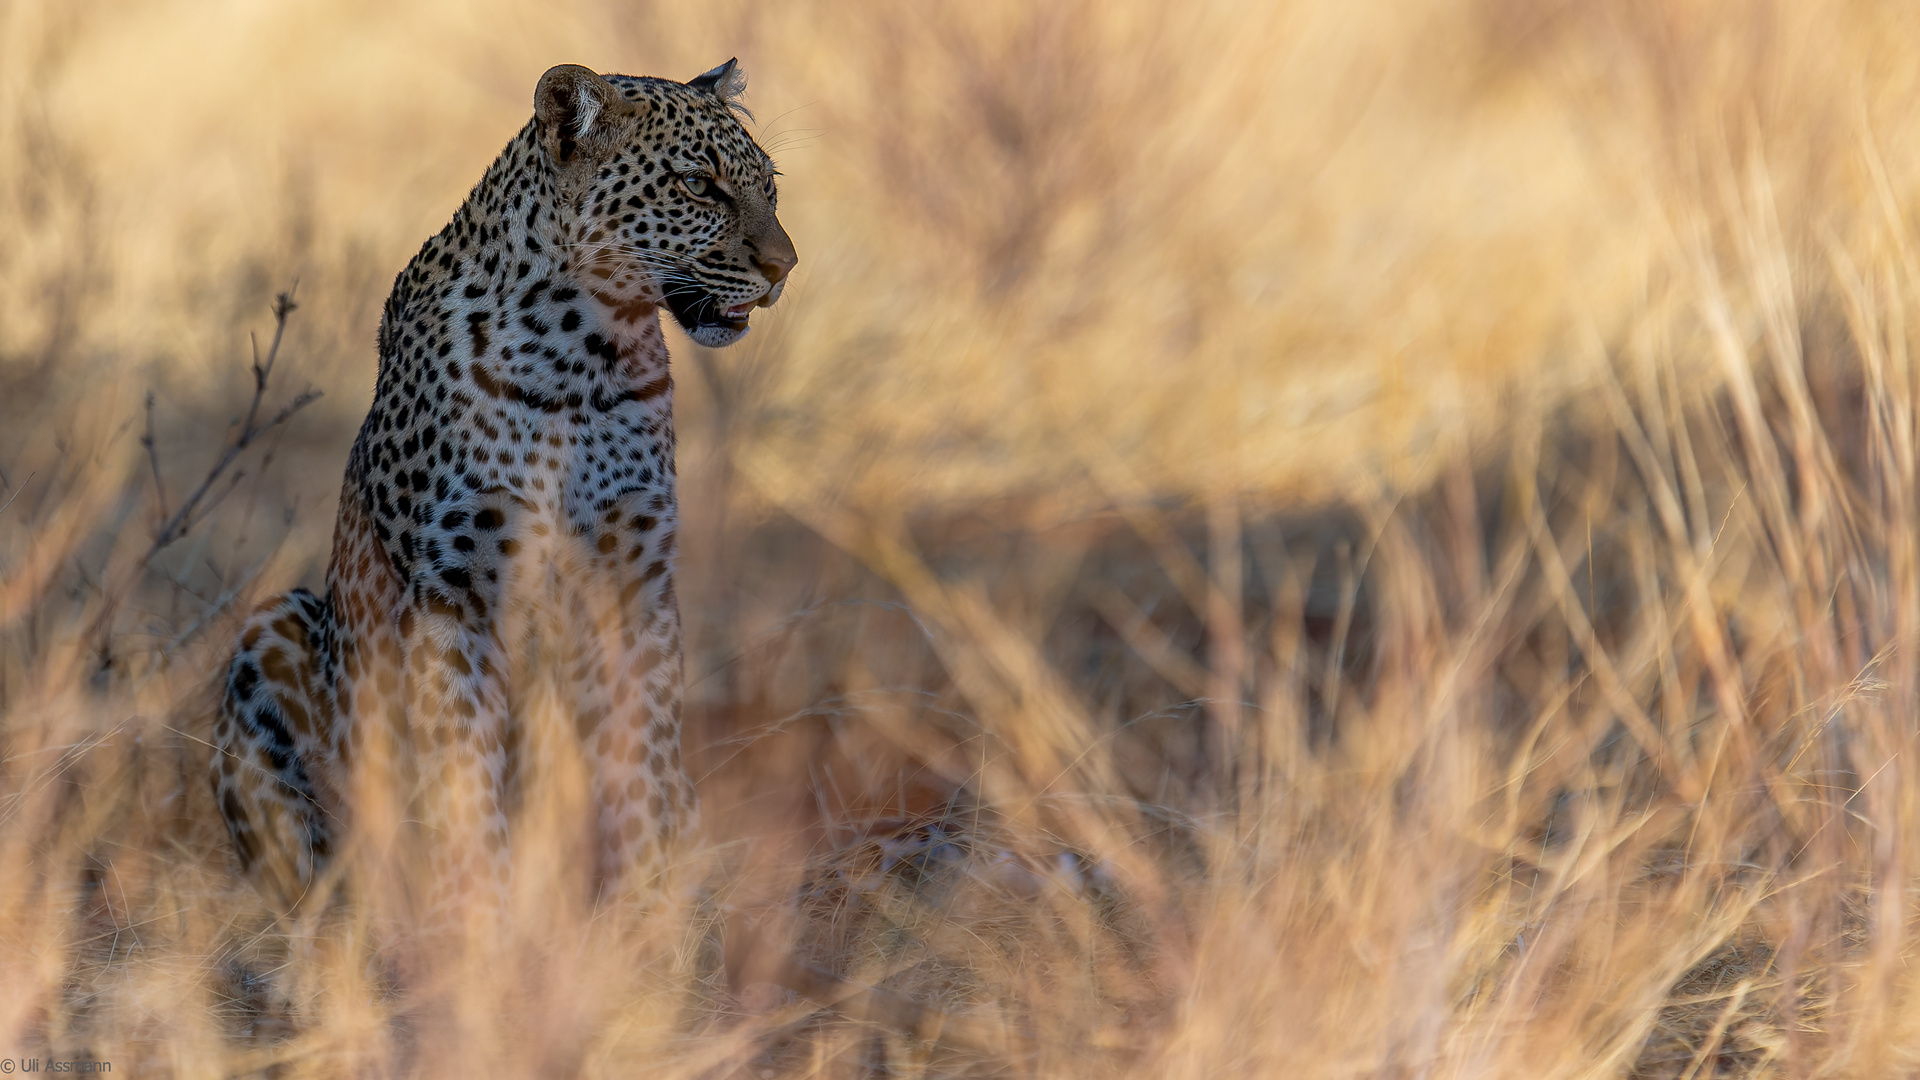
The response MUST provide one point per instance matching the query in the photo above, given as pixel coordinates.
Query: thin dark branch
(283, 305)
(153, 458)
(214, 503)
(184, 519)
(198, 505)
(17, 491)
(214, 608)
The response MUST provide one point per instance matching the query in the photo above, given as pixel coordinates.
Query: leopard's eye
(697, 186)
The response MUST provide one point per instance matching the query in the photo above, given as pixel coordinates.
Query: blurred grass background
(1301, 538)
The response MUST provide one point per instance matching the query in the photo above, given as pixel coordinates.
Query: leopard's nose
(775, 269)
(773, 254)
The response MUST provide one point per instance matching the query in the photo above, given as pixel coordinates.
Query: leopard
(509, 508)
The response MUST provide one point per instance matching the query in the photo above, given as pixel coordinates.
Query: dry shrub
(1333, 539)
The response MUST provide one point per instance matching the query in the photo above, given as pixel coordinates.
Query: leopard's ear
(726, 82)
(567, 103)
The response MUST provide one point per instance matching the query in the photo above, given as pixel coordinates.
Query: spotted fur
(509, 510)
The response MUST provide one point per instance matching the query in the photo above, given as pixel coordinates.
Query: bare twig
(17, 491)
(153, 459)
(210, 492)
(183, 519)
(282, 305)
(214, 608)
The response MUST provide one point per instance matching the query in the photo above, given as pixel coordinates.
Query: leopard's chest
(570, 463)
(563, 424)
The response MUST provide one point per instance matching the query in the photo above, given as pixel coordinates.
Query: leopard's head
(671, 201)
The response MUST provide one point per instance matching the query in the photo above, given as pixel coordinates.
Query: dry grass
(1318, 539)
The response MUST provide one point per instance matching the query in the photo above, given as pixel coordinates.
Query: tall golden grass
(1315, 538)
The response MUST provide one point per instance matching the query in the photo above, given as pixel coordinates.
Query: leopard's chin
(718, 335)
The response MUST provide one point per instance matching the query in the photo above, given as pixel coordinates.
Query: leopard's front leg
(630, 677)
(456, 695)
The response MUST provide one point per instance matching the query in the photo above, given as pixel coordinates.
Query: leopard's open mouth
(696, 309)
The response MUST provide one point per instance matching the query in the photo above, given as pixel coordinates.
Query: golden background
(1379, 536)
